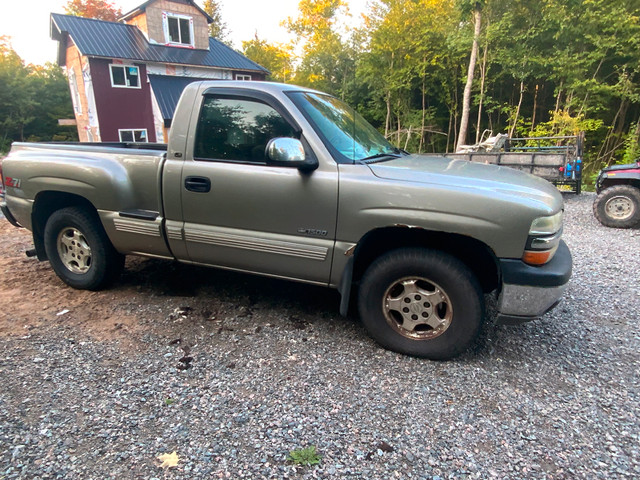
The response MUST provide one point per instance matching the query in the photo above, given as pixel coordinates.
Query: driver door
(241, 213)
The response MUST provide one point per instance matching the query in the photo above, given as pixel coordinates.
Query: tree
(98, 9)
(218, 28)
(278, 59)
(32, 99)
(16, 95)
(466, 99)
(326, 61)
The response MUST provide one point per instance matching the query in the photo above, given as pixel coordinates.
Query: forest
(429, 74)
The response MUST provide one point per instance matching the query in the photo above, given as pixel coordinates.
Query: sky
(29, 29)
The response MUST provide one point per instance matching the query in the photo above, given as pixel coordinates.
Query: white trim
(165, 27)
(93, 129)
(158, 121)
(133, 132)
(243, 77)
(75, 93)
(123, 66)
(179, 70)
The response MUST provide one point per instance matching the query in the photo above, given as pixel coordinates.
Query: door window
(237, 130)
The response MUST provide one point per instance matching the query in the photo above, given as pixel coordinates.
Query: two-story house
(126, 77)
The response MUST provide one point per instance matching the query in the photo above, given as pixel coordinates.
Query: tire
(79, 250)
(618, 206)
(421, 302)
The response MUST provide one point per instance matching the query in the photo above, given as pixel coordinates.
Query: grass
(305, 456)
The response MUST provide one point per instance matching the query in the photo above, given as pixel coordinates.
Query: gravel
(236, 377)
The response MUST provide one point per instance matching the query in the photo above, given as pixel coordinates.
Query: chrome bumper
(518, 304)
(530, 292)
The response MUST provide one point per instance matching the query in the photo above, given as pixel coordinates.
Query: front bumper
(530, 292)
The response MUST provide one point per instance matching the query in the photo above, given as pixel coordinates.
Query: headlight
(546, 225)
(544, 238)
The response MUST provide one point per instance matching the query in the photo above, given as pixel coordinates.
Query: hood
(465, 175)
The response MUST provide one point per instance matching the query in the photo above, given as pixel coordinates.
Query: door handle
(197, 184)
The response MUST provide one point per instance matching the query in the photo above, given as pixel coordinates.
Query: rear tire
(618, 206)
(79, 250)
(421, 302)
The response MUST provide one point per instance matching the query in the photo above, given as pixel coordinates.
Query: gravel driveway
(233, 372)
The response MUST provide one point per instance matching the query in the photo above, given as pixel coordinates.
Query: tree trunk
(483, 76)
(515, 118)
(466, 99)
(535, 107)
(449, 129)
(387, 122)
(558, 97)
(423, 115)
(398, 118)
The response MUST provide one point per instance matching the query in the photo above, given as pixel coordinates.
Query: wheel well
(473, 253)
(44, 205)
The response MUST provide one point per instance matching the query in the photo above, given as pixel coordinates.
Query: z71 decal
(12, 182)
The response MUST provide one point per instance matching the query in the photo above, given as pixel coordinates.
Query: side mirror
(289, 152)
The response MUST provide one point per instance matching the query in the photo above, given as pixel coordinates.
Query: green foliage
(32, 99)
(278, 59)
(631, 152)
(563, 123)
(327, 61)
(305, 456)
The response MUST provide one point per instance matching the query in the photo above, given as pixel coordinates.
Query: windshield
(342, 129)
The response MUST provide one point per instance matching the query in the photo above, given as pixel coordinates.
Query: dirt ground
(148, 296)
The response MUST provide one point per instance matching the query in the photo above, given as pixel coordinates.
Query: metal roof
(167, 90)
(98, 38)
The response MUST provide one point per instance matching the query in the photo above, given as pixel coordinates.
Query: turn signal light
(536, 257)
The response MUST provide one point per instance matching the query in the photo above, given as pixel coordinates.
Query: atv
(618, 202)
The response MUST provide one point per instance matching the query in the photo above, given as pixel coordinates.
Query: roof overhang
(62, 38)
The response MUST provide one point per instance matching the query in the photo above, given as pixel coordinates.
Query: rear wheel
(618, 206)
(421, 302)
(79, 250)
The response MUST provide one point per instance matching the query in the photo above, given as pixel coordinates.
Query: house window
(246, 78)
(133, 135)
(124, 76)
(178, 29)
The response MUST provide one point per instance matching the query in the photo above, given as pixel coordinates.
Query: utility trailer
(556, 159)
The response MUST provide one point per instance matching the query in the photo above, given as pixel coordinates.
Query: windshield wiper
(378, 156)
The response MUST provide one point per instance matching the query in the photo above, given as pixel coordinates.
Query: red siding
(121, 107)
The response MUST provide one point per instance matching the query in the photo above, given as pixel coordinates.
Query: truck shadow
(210, 285)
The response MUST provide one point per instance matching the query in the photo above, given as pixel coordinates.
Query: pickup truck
(288, 182)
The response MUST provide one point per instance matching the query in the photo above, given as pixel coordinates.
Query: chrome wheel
(74, 251)
(417, 308)
(619, 207)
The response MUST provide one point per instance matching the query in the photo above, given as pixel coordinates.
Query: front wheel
(79, 250)
(618, 206)
(421, 302)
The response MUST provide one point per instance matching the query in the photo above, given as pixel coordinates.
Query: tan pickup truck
(287, 182)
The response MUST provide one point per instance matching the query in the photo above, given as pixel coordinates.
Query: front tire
(421, 302)
(79, 250)
(618, 206)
